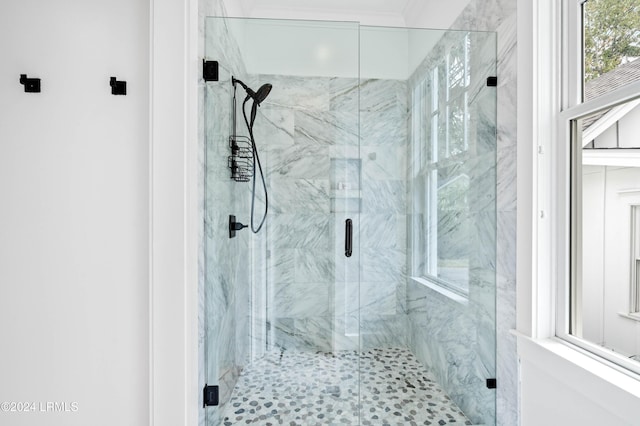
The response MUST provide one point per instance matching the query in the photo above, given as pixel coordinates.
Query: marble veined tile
(326, 128)
(506, 245)
(299, 196)
(305, 334)
(218, 110)
(449, 337)
(297, 93)
(301, 231)
(387, 196)
(301, 300)
(366, 299)
(386, 265)
(483, 238)
(345, 174)
(273, 126)
(347, 269)
(383, 128)
(344, 95)
(377, 298)
(383, 331)
(222, 45)
(383, 162)
(301, 161)
(489, 15)
(506, 189)
(482, 291)
(383, 96)
(312, 265)
(381, 231)
(482, 182)
(484, 122)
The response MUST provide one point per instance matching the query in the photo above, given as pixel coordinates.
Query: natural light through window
(441, 142)
(603, 296)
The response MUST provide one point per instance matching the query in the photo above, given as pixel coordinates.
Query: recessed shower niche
(378, 149)
(345, 185)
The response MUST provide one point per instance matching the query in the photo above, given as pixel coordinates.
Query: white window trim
(634, 302)
(561, 212)
(539, 56)
(543, 130)
(538, 103)
(561, 217)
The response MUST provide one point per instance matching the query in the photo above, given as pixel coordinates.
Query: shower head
(262, 93)
(258, 96)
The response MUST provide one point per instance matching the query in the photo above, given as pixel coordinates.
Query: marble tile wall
(455, 339)
(308, 134)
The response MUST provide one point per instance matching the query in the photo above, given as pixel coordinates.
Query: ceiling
(430, 13)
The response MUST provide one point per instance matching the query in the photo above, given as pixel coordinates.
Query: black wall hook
(118, 87)
(31, 85)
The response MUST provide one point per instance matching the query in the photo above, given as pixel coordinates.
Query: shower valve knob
(234, 226)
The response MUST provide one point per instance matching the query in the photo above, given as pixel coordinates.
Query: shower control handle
(348, 238)
(234, 226)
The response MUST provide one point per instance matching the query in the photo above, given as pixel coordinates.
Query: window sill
(634, 316)
(463, 300)
(581, 366)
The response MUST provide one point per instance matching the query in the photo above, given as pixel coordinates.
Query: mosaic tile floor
(303, 388)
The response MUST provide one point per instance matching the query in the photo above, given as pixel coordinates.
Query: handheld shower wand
(257, 97)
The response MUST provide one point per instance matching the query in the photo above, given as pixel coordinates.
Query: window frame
(565, 179)
(634, 302)
(435, 107)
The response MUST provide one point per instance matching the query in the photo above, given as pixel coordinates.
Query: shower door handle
(348, 238)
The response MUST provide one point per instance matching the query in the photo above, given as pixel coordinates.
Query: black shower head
(262, 93)
(258, 96)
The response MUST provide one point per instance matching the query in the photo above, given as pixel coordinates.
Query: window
(599, 295)
(440, 145)
(635, 260)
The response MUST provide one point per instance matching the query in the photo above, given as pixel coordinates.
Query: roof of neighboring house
(612, 80)
(608, 82)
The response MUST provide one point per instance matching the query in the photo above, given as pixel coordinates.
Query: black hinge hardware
(31, 85)
(210, 70)
(491, 383)
(492, 81)
(118, 87)
(210, 396)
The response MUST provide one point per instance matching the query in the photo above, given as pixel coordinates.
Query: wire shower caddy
(240, 162)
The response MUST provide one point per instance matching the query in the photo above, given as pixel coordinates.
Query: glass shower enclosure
(368, 295)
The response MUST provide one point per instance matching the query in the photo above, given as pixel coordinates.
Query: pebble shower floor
(305, 388)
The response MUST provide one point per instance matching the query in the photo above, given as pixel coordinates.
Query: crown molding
(365, 17)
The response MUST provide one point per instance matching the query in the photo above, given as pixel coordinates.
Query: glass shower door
(368, 296)
(289, 294)
(428, 227)
(310, 134)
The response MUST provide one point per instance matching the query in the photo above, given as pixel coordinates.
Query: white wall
(74, 212)
(608, 194)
